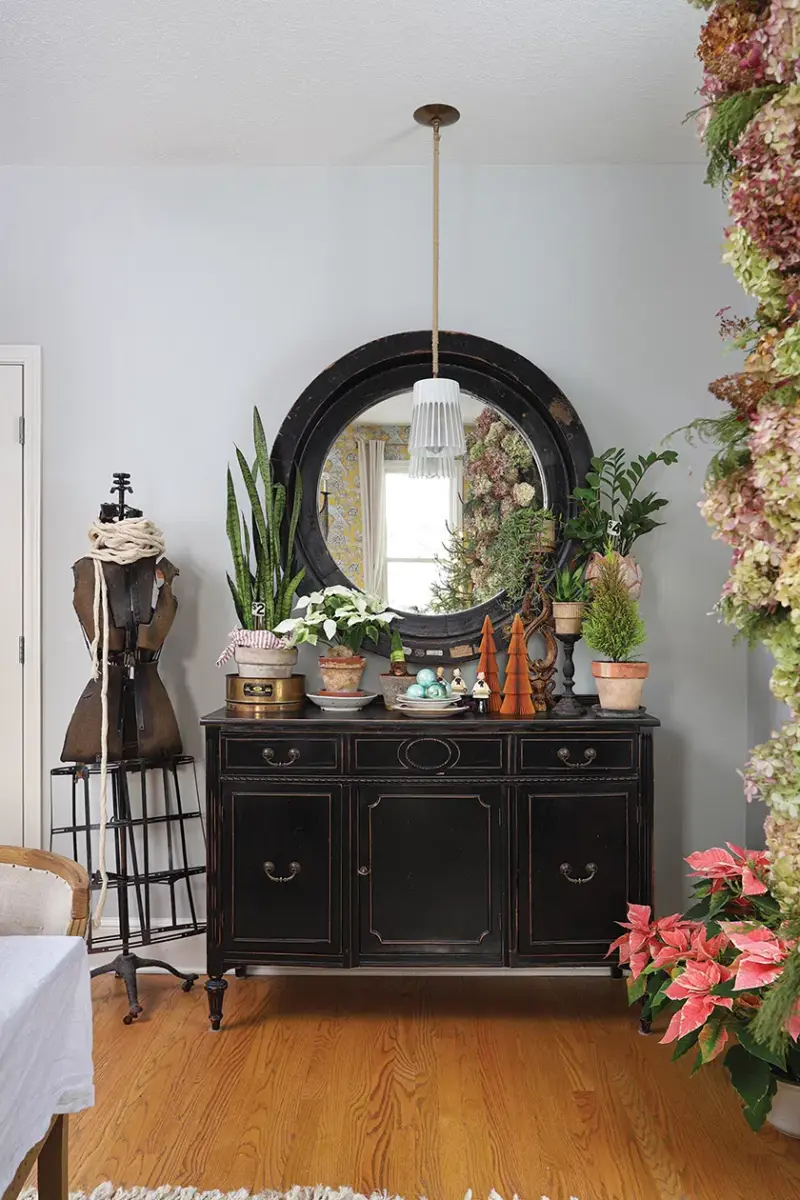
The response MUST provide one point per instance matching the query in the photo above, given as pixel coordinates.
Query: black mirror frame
(364, 377)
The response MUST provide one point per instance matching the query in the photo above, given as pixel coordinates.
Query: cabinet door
(577, 868)
(282, 869)
(430, 873)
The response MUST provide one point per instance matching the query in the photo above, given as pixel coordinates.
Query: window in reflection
(424, 545)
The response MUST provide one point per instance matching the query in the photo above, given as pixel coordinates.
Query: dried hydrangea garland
(750, 123)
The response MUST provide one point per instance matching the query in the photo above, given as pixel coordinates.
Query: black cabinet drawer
(430, 872)
(577, 868)
(282, 869)
(299, 755)
(431, 754)
(573, 753)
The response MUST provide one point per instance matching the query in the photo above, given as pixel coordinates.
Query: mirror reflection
(424, 545)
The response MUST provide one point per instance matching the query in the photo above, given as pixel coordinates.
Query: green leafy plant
(730, 117)
(342, 617)
(263, 587)
(520, 550)
(608, 507)
(729, 433)
(454, 588)
(570, 586)
(613, 626)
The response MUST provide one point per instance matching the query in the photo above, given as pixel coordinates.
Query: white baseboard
(189, 954)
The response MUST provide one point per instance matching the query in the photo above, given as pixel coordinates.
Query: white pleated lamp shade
(437, 426)
(422, 467)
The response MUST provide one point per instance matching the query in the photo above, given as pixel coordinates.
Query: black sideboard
(374, 839)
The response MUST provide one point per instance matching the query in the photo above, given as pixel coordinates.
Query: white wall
(169, 300)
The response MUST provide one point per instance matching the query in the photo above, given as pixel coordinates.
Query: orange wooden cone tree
(517, 698)
(488, 664)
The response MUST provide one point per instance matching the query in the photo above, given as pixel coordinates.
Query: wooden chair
(42, 893)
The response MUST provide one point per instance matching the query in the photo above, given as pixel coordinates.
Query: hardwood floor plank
(421, 1086)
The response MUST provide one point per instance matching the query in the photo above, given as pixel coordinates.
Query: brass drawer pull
(269, 871)
(565, 869)
(269, 757)
(589, 755)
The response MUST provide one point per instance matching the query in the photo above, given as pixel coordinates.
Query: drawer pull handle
(269, 871)
(363, 870)
(565, 869)
(589, 755)
(269, 757)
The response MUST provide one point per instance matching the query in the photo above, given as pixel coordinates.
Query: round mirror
(425, 545)
(429, 547)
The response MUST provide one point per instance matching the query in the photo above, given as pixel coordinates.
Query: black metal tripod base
(125, 967)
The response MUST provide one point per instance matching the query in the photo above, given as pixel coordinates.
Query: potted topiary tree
(262, 548)
(614, 629)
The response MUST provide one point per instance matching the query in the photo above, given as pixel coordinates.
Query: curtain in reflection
(373, 514)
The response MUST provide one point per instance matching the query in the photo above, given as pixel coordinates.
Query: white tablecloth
(45, 1040)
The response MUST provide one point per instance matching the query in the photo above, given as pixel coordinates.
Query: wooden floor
(419, 1086)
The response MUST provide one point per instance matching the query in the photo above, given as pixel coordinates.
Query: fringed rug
(107, 1191)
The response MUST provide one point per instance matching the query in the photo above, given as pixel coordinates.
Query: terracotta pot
(619, 685)
(785, 1111)
(568, 616)
(393, 686)
(342, 675)
(255, 662)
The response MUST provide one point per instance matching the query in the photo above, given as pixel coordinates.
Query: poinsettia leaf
(766, 905)
(717, 901)
(727, 988)
(753, 1079)
(712, 1038)
(773, 1057)
(698, 912)
(698, 1063)
(636, 988)
(660, 999)
(685, 1044)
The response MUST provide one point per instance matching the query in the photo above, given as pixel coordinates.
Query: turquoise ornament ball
(416, 691)
(435, 691)
(426, 677)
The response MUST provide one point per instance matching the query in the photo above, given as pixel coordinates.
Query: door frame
(30, 359)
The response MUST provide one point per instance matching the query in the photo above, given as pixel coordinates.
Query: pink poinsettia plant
(710, 973)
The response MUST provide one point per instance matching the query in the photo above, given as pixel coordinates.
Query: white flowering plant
(339, 616)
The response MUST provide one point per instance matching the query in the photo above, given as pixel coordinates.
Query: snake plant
(264, 586)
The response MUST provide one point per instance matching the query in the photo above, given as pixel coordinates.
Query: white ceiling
(336, 81)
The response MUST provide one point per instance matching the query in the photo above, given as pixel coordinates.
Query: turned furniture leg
(645, 1026)
(616, 971)
(52, 1165)
(241, 972)
(215, 989)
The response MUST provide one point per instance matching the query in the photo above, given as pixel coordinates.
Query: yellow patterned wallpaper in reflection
(344, 487)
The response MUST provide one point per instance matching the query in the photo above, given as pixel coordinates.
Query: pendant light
(423, 467)
(437, 426)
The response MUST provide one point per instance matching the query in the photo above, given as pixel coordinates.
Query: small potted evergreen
(614, 629)
(571, 595)
(395, 682)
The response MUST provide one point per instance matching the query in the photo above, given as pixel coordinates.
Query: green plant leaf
(685, 1044)
(774, 1057)
(636, 988)
(753, 1080)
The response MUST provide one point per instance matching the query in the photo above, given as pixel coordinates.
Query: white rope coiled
(120, 542)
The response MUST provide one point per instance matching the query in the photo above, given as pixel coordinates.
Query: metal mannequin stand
(132, 877)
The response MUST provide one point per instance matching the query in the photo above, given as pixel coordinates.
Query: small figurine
(442, 681)
(480, 694)
(458, 687)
